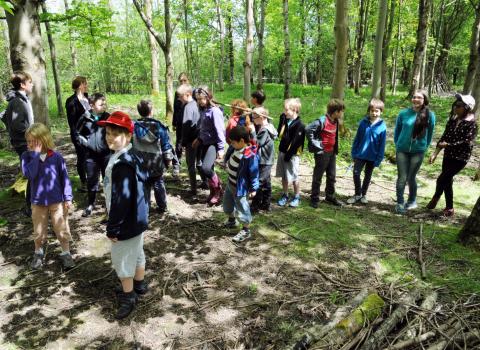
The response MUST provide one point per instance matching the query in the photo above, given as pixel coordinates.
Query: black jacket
(292, 137)
(128, 216)
(92, 136)
(313, 131)
(178, 107)
(16, 118)
(74, 110)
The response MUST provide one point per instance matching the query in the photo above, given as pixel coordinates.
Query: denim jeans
(238, 205)
(408, 165)
(159, 191)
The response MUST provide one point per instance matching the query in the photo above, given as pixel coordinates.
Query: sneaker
(37, 261)
(88, 211)
(411, 205)
(126, 304)
(314, 204)
(230, 223)
(242, 236)
(354, 199)
(67, 261)
(283, 200)
(334, 201)
(295, 202)
(448, 212)
(364, 200)
(400, 209)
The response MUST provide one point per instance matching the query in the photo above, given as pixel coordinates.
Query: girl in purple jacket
(51, 192)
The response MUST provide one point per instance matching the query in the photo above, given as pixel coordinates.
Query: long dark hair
(423, 117)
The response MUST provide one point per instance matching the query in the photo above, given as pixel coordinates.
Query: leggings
(450, 168)
(208, 154)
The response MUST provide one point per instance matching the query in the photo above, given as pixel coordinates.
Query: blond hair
(184, 89)
(40, 132)
(293, 104)
(261, 111)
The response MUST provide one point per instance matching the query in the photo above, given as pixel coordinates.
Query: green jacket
(404, 129)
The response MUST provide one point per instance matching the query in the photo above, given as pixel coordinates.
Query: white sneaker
(364, 200)
(242, 236)
(354, 199)
(411, 205)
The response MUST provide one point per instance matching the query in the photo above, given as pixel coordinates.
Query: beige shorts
(59, 218)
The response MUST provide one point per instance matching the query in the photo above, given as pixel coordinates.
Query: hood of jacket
(11, 94)
(377, 127)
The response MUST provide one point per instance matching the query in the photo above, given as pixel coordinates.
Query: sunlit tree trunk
(153, 52)
(472, 226)
(221, 28)
(341, 48)
(397, 46)
(287, 77)
(247, 64)
(472, 70)
(73, 50)
(303, 43)
(260, 29)
(377, 63)
(26, 53)
(386, 49)
(187, 41)
(231, 52)
(360, 36)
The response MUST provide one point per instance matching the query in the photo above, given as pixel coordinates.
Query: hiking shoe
(314, 204)
(448, 212)
(364, 200)
(88, 211)
(242, 236)
(433, 203)
(37, 261)
(230, 223)
(140, 287)
(176, 174)
(400, 209)
(354, 199)
(334, 201)
(126, 304)
(67, 261)
(283, 200)
(411, 205)
(295, 202)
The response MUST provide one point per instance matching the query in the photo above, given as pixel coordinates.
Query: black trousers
(81, 160)
(450, 168)
(94, 166)
(264, 192)
(324, 163)
(358, 165)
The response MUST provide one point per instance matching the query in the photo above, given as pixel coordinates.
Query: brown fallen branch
(420, 251)
(274, 224)
(426, 306)
(386, 327)
(449, 335)
(334, 281)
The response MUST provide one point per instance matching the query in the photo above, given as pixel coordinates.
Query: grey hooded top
(18, 117)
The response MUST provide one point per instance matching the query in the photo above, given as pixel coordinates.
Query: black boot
(266, 199)
(140, 287)
(126, 304)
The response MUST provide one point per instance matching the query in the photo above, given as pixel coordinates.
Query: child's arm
(297, 143)
(398, 128)
(66, 184)
(30, 164)
(253, 174)
(220, 128)
(381, 150)
(431, 127)
(315, 142)
(356, 140)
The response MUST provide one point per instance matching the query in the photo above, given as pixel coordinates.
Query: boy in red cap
(127, 211)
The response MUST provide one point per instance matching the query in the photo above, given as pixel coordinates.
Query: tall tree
(360, 36)
(73, 50)
(165, 43)
(397, 46)
(474, 58)
(423, 18)
(187, 41)
(318, 42)
(153, 51)
(341, 49)
(386, 48)
(303, 43)
(26, 52)
(287, 77)
(221, 32)
(53, 58)
(247, 64)
(231, 49)
(260, 30)
(377, 63)
(472, 225)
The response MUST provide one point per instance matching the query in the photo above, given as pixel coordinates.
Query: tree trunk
(472, 226)
(153, 52)
(423, 14)
(221, 28)
(434, 54)
(73, 51)
(377, 64)
(341, 48)
(260, 28)
(397, 46)
(318, 56)
(53, 57)
(386, 50)
(472, 69)
(303, 49)
(26, 53)
(247, 65)
(187, 41)
(360, 36)
(231, 51)
(287, 74)
(6, 42)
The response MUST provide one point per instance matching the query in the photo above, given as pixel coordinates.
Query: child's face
(117, 140)
(337, 115)
(417, 100)
(290, 113)
(99, 106)
(238, 145)
(254, 101)
(185, 98)
(32, 143)
(375, 113)
(257, 119)
(27, 86)
(202, 100)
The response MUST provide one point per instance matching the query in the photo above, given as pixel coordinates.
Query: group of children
(121, 150)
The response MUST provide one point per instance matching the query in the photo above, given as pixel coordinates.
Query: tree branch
(161, 41)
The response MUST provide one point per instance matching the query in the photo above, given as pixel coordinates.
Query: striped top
(232, 166)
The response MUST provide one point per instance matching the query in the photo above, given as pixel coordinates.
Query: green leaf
(7, 6)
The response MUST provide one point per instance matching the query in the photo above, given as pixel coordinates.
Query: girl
(457, 140)
(51, 192)
(239, 117)
(412, 136)
(211, 141)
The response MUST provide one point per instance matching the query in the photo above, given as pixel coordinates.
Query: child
(51, 192)
(322, 135)
(210, 141)
(160, 131)
(242, 169)
(92, 137)
(240, 117)
(266, 134)
(128, 211)
(258, 97)
(18, 117)
(368, 149)
(291, 131)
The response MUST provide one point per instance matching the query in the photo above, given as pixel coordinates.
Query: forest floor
(207, 292)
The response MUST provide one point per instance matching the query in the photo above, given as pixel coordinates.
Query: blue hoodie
(404, 129)
(369, 142)
(247, 175)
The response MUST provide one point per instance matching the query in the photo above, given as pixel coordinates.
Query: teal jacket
(404, 129)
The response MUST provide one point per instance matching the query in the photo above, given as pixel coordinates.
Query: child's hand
(113, 239)
(442, 145)
(68, 204)
(252, 194)
(432, 158)
(37, 146)
(220, 154)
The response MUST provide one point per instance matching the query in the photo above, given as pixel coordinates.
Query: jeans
(192, 158)
(324, 162)
(450, 168)
(238, 205)
(358, 165)
(408, 165)
(159, 191)
(94, 165)
(178, 144)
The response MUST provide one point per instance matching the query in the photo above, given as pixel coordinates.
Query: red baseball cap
(120, 119)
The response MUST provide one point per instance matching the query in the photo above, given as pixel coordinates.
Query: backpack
(146, 145)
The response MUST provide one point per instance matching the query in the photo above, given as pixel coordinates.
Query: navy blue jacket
(128, 216)
(247, 174)
(92, 136)
(292, 137)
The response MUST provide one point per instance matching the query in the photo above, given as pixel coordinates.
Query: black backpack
(146, 144)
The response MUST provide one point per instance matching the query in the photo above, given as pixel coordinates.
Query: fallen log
(450, 335)
(386, 327)
(426, 306)
(420, 252)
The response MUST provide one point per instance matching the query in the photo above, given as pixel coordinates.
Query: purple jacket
(49, 182)
(212, 127)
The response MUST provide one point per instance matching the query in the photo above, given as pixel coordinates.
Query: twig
(285, 232)
(420, 251)
(334, 281)
(101, 278)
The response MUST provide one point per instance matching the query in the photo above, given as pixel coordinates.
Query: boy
(258, 97)
(368, 149)
(160, 132)
(178, 107)
(128, 211)
(291, 131)
(18, 118)
(322, 135)
(242, 169)
(266, 134)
